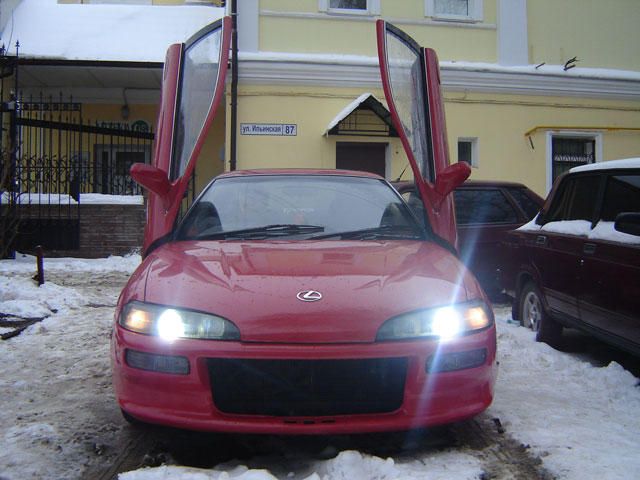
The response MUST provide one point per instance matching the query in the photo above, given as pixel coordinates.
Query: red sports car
(301, 301)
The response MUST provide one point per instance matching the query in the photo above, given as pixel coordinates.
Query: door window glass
(622, 194)
(483, 206)
(524, 201)
(577, 200)
(407, 82)
(196, 92)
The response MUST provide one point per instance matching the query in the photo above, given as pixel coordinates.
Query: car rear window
(622, 194)
(524, 201)
(483, 206)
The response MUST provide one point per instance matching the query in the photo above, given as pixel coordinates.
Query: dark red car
(578, 263)
(485, 212)
(301, 301)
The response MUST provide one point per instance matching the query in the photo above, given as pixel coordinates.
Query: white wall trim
(363, 72)
(372, 18)
(596, 135)
(513, 41)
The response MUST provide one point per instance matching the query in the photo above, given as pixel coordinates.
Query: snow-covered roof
(102, 32)
(624, 163)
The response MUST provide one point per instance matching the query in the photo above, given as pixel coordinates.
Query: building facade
(531, 87)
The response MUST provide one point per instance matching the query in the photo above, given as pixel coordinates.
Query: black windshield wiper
(395, 232)
(267, 231)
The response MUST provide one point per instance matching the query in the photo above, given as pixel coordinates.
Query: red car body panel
(364, 283)
(383, 279)
(185, 401)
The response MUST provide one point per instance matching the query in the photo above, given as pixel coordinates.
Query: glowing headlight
(442, 323)
(172, 323)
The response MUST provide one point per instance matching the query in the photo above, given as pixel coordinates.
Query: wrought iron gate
(52, 158)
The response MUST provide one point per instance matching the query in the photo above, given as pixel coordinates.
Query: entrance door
(364, 157)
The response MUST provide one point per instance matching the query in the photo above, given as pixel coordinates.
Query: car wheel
(533, 315)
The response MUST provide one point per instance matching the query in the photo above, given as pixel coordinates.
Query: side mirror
(151, 178)
(628, 222)
(452, 177)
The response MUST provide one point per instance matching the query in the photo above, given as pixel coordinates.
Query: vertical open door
(411, 82)
(192, 87)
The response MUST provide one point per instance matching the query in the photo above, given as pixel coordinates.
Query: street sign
(271, 129)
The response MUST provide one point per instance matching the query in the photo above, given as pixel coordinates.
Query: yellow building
(531, 87)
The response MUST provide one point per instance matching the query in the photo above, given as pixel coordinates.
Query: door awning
(365, 116)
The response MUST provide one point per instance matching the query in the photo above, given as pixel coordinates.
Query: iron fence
(60, 152)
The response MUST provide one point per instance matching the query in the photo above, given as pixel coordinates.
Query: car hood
(255, 285)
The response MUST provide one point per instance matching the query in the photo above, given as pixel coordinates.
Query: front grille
(307, 387)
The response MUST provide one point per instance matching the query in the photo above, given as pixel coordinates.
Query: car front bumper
(187, 400)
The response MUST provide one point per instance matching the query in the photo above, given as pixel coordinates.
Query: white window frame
(373, 8)
(475, 12)
(597, 136)
(475, 158)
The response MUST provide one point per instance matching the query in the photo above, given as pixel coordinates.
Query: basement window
(350, 7)
(454, 10)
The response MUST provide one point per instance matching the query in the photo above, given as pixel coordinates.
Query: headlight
(441, 323)
(172, 323)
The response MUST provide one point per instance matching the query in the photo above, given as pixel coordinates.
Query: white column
(513, 40)
(248, 25)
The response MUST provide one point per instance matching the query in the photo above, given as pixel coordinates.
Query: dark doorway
(365, 157)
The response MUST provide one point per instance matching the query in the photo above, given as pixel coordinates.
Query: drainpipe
(234, 85)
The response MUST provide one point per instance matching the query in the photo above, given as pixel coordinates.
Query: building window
(468, 151)
(454, 10)
(567, 152)
(350, 7)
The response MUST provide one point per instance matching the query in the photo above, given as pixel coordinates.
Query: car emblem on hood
(309, 296)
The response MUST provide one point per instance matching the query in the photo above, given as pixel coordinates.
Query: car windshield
(299, 207)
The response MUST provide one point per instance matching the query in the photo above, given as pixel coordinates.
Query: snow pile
(58, 408)
(347, 465)
(582, 228)
(571, 413)
(64, 199)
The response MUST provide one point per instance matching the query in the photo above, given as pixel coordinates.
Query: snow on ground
(59, 414)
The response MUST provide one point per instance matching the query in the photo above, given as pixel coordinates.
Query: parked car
(578, 263)
(485, 212)
(299, 301)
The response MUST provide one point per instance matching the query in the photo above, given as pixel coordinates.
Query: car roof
(608, 165)
(299, 171)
